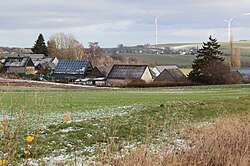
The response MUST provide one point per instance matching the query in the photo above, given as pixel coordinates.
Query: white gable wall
(147, 76)
(156, 71)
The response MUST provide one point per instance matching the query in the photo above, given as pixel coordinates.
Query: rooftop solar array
(127, 71)
(71, 66)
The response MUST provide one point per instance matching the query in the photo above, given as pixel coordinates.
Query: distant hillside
(13, 51)
(244, 46)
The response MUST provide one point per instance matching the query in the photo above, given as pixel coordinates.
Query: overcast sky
(111, 22)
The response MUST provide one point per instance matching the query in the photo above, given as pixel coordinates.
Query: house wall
(55, 61)
(118, 82)
(16, 70)
(30, 70)
(23, 70)
(156, 71)
(147, 76)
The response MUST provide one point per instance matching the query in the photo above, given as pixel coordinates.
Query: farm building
(71, 70)
(158, 69)
(19, 65)
(171, 75)
(121, 75)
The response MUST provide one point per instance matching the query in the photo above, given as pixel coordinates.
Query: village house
(43, 65)
(47, 66)
(121, 75)
(71, 70)
(19, 65)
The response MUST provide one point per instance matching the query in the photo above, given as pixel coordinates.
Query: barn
(121, 75)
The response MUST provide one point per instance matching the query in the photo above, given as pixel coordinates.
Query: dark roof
(32, 56)
(162, 68)
(72, 66)
(105, 69)
(96, 73)
(18, 62)
(127, 71)
(244, 71)
(36, 58)
(171, 75)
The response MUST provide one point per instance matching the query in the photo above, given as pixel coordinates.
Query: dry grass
(226, 142)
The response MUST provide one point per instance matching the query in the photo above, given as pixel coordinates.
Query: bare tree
(95, 53)
(216, 72)
(65, 46)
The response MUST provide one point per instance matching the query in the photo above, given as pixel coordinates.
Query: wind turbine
(156, 16)
(229, 24)
(229, 27)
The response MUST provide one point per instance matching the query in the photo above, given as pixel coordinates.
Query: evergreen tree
(209, 52)
(40, 46)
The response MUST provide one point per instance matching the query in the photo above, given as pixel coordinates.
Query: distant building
(71, 70)
(121, 75)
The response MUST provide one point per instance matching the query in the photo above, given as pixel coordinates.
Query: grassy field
(83, 126)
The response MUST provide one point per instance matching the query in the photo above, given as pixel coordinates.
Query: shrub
(2, 68)
(216, 72)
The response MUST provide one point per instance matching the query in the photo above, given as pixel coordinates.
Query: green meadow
(86, 126)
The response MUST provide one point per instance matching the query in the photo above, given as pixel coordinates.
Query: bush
(226, 142)
(137, 83)
(2, 68)
(216, 72)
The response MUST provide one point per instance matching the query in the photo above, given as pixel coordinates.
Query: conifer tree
(209, 52)
(40, 46)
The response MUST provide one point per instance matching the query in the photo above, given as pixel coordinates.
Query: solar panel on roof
(127, 71)
(71, 66)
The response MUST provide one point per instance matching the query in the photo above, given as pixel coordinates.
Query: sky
(127, 22)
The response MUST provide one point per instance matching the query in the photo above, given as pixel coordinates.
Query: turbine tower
(229, 28)
(156, 16)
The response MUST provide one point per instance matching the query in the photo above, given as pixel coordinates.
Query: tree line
(66, 46)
